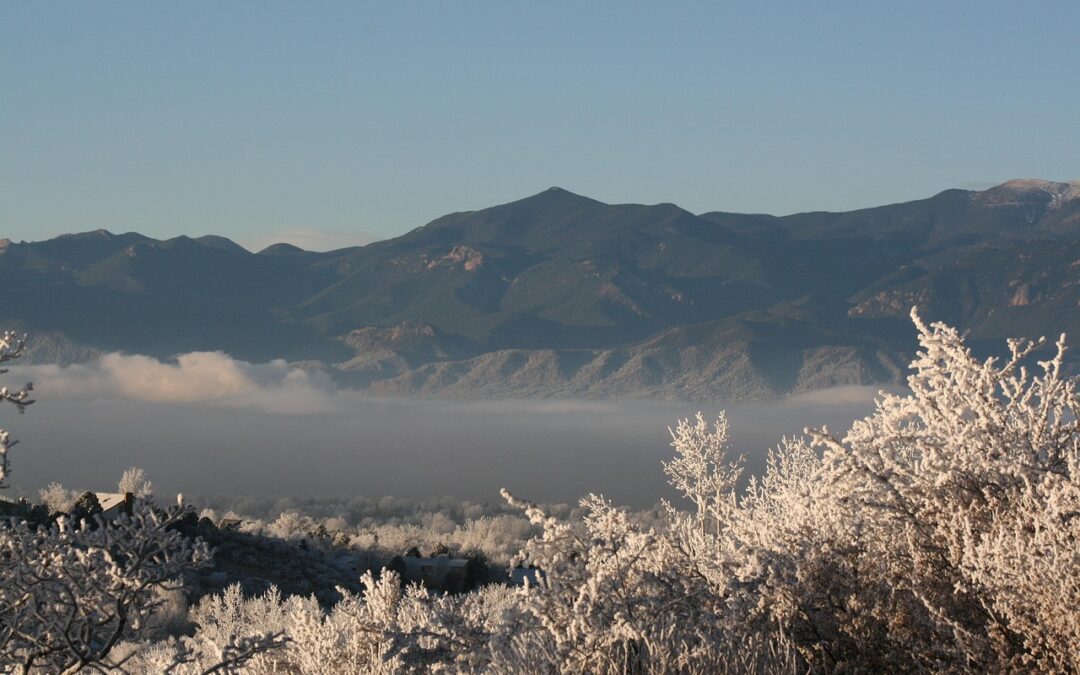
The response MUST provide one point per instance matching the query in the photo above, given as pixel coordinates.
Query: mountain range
(561, 295)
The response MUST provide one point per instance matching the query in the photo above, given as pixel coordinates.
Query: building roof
(111, 500)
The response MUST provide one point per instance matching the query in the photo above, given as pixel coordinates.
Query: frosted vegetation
(384, 528)
(940, 534)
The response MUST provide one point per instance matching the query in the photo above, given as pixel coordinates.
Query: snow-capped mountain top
(1024, 189)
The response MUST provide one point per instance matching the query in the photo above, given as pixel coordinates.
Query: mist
(271, 431)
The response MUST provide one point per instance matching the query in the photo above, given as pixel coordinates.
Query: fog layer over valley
(211, 425)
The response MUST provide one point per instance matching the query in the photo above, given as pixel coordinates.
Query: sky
(335, 123)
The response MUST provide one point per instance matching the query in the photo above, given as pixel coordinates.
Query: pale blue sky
(334, 123)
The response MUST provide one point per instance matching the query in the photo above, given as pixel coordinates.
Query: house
(439, 573)
(114, 503)
(357, 562)
(14, 509)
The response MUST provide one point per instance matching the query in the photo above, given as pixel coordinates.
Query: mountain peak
(1055, 193)
(558, 191)
(556, 195)
(221, 243)
(94, 234)
(281, 249)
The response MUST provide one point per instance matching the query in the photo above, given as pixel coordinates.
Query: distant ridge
(281, 249)
(558, 294)
(221, 243)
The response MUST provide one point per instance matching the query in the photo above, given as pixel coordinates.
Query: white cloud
(197, 377)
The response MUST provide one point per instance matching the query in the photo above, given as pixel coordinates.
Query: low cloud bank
(213, 378)
(207, 423)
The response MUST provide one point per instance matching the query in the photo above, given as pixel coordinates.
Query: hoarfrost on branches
(57, 498)
(134, 481)
(12, 346)
(965, 495)
(70, 594)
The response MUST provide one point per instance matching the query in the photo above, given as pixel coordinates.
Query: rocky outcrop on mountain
(760, 357)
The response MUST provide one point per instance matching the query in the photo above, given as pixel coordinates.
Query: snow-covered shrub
(961, 498)
(499, 538)
(616, 595)
(68, 595)
(388, 629)
(291, 525)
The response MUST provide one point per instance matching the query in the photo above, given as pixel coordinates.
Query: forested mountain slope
(561, 295)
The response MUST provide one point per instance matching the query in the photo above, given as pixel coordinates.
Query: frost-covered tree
(616, 596)
(57, 498)
(698, 470)
(12, 346)
(134, 481)
(613, 597)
